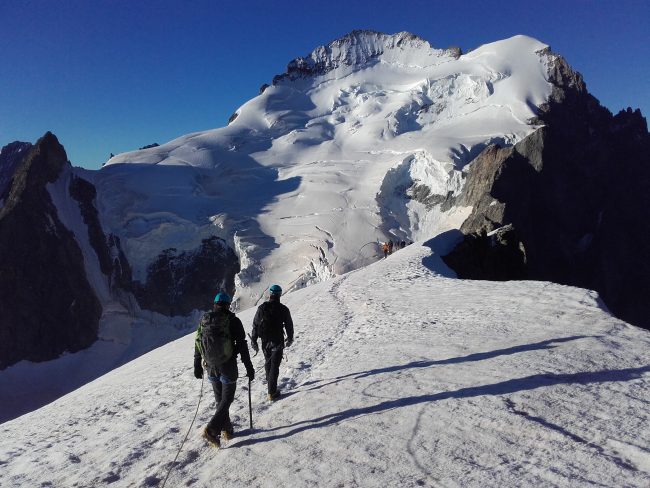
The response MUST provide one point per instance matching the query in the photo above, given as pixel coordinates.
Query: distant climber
(390, 247)
(271, 320)
(220, 337)
(384, 248)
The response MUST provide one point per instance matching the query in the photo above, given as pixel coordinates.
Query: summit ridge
(362, 48)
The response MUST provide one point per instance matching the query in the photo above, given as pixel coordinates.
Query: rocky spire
(47, 305)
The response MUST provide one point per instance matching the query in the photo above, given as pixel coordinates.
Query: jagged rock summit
(363, 48)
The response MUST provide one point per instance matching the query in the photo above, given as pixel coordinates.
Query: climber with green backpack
(220, 337)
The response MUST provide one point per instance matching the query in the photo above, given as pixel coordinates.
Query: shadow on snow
(505, 387)
(502, 388)
(479, 356)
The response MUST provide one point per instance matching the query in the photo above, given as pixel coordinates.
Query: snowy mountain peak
(363, 48)
(361, 141)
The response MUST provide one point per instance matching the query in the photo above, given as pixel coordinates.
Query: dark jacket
(238, 336)
(278, 318)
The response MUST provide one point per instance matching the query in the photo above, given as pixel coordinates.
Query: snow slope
(315, 171)
(399, 376)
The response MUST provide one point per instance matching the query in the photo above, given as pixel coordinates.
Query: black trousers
(273, 358)
(224, 384)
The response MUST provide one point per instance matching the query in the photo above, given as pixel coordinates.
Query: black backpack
(216, 341)
(270, 328)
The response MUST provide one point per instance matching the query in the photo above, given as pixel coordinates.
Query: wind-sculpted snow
(398, 376)
(294, 180)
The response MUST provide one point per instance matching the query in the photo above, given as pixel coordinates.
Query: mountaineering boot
(227, 434)
(211, 438)
(227, 430)
(274, 396)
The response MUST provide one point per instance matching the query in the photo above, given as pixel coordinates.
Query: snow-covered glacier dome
(327, 159)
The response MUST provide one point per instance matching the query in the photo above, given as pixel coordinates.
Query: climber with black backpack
(271, 319)
(220, 337)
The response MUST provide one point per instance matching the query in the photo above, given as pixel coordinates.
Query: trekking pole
(250, 408)
(249, 336)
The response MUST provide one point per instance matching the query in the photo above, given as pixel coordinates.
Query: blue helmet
(222, 298)
(275, 290)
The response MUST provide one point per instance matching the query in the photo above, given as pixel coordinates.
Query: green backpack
(216, 341)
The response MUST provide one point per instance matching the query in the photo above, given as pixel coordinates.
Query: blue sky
(114, 75)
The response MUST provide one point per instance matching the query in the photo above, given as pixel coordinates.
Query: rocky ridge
(50, 300)
(572, 196)
(359, 48)
(10, 156)
(47, 305)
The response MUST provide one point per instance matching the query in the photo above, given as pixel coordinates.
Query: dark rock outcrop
(423, 194)
(112, 261)
(574, 193)
(47, 305)
(10, 156)
(149, 146)
(179, 282)
(84, 193)
(497, 256)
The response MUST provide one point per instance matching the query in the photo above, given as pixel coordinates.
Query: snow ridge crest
(361, 48)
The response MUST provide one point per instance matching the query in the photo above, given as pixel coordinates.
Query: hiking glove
(255, 347)
(288, 342)
(198, 370)
(250, 372)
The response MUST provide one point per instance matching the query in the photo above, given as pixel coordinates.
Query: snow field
(398, 377)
